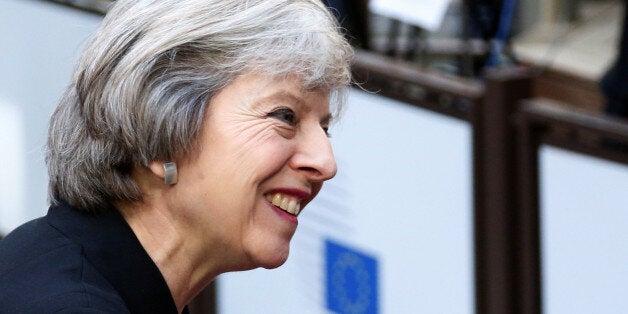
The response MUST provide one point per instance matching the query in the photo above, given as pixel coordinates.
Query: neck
(182, 261)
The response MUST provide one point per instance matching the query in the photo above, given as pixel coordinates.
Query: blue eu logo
(351, 280)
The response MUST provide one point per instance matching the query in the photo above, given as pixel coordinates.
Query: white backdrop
(40, 42)
(584, 214)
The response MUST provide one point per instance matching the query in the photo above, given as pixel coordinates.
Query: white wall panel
(39, 43)
(584, 220)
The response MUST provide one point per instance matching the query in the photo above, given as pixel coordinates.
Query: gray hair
(141, 86)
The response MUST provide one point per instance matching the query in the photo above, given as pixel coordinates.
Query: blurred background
(483, 158)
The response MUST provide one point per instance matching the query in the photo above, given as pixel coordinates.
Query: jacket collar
(111, 246)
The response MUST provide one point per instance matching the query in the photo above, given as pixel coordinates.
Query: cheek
(266, 158)
(256, 149)
(240, 151)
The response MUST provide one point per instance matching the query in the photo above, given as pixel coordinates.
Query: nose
(314, 156)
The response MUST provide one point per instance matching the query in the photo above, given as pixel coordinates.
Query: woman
(191, 137)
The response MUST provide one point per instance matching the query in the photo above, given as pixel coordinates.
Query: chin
(273, 265)
(271, 259)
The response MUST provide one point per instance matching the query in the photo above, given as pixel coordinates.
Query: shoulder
(72, 302)
(28, 248)
(69, 302)
(41, 270)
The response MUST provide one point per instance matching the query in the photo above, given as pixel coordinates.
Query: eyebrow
(281, 95)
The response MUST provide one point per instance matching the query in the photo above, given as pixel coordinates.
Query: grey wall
(39, 42)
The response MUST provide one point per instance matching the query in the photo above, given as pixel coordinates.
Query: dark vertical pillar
(529, 250)
(495, 193)
(465, 61)
(393, 35)
(416, 43)
(205, 302)
(353, 17)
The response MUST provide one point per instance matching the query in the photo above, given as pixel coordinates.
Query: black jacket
(73, 262)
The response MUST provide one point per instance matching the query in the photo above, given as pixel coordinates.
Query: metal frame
(408, 82)
(507, 279)
(496, 201)
(95, 6)
(539, 121)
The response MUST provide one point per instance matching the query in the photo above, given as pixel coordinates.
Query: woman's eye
(284, 114)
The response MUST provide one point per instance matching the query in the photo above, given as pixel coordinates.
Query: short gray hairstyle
(140, 88)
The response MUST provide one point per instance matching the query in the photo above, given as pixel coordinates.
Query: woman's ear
(166, 171)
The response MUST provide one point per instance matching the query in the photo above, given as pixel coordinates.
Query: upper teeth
(286, 203)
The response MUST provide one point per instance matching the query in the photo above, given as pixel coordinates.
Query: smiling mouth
(289, 204)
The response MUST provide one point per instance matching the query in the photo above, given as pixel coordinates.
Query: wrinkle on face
(252, 132)
(248, 120)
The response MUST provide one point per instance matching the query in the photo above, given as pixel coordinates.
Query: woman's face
(263, 155)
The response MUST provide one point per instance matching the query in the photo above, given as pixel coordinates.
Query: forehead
(259, 89)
